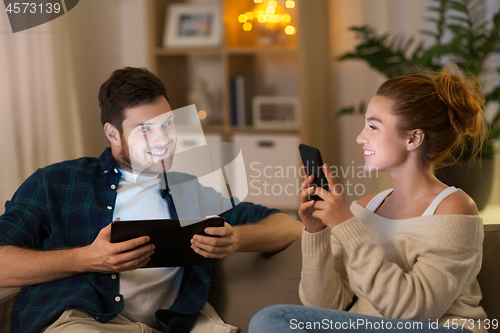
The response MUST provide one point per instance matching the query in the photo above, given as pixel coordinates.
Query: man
(54, 234)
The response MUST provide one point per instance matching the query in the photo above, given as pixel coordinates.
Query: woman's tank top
(377, 200)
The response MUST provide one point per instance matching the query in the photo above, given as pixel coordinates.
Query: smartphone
(313, 163)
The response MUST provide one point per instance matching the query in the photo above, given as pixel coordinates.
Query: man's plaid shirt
(65, 205)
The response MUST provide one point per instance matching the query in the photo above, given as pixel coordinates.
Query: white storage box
(272, 165)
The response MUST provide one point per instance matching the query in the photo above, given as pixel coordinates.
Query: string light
(270, 13)
(242, 18)
(202, 114)
(289, 30)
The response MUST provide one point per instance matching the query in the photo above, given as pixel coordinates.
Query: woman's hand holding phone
(306, 209)
(332, 210)
(318, 207)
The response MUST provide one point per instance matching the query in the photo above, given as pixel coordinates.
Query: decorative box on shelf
(273, 168)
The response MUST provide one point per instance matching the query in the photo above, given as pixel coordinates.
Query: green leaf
(479, 38)
(458, 6)
(394, 40)
(417, 51)
(362, 108)
(436, 51)
(428, 33)
(409, 43)
(432, 20)
(476, 8)
(347, 56)
(494, 95)
(481, 27)
(458, 29)
(358, 28)
(434, 9)
(459, 18)
(383, 38)
(345, 110)
(496, 19)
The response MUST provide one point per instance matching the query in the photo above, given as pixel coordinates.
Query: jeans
(297, 318)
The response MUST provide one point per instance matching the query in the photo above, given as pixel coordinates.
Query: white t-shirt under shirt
(145, 290)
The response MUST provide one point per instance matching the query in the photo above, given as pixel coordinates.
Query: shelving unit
(298, 67)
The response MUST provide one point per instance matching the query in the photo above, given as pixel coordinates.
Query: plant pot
(474, 177)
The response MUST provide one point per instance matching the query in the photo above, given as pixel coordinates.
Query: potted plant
(471, 40)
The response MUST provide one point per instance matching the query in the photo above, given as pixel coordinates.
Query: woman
(410, 254)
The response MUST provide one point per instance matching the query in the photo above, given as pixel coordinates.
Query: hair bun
(463, 99)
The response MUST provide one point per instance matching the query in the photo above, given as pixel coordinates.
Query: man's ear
(112, 134)
(415, 139)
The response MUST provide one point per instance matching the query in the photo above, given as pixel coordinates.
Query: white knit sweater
(423, 268)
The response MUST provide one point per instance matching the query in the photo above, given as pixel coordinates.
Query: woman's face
(384, 149)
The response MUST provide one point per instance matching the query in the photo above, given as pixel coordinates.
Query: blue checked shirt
(65, 205)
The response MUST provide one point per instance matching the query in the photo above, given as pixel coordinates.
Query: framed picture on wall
(193, 25)
(275, 111)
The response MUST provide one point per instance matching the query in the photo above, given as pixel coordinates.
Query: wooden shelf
(305, 75)
(188, 51)
(226, 50)
(251, 129)
(213, 128)
(299, 68)
(261, 49)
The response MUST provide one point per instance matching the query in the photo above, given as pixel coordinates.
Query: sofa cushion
(489, 277)
(245, 283)
(8, 297)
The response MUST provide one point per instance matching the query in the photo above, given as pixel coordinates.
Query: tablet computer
(172, 242)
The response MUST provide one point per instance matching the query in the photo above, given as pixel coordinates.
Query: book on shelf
(240, 94)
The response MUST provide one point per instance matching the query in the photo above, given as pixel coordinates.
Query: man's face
(149, 138)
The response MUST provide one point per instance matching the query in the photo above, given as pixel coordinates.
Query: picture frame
(275, 111)
(193, 25)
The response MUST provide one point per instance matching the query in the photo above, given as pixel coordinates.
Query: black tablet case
(172, 242)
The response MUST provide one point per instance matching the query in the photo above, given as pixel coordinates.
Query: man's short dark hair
(127, 88)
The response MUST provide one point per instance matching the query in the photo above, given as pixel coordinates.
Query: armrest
(246, 282)
(8, 297)
(490, 271)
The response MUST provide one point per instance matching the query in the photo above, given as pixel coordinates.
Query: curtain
(39, 118)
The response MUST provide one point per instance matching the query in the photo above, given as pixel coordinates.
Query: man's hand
(216, 247)
(106, 257)
(25, 267)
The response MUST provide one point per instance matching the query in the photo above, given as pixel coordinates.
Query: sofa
(244, 283)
